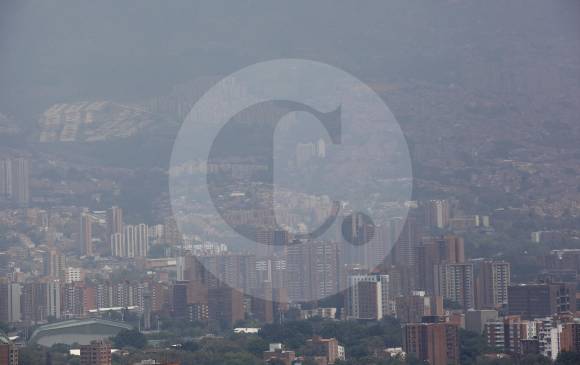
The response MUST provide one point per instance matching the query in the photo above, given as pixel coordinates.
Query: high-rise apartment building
(402, 279)
(114, 222)
(570, 337)
(368, 303)
(437, 213)
(14, 181)
(142, 240)
(179, 299)
(225, 305)
(548, 333)
(367, 297)
(86, 234)
(53, 298)
(312, 270)
(436, 343)
(190, 300)
(53, 263)
(77, 299)
(492, 279)
(375, 251)
(6, 179)
(41, 300)
(435, 251)
(190, 268)
(361, 233)
(10, 306)
(516, 336)
(171, 234)
(412, 308)
(118, 247)
(33, 302)
(405, 235)
(494, 331)
(455, 283)
(541, 300)
(160, 295)
(120, 294)
(262, 306)
(20, 181)
(237, 270)
(130, 240)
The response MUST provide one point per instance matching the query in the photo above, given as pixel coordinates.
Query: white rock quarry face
(92, 121)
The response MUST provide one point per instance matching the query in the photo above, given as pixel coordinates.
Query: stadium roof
(70, 326)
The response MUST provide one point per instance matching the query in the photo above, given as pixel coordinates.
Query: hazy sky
(71, 50)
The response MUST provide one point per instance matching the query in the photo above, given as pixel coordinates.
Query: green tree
(190, 346)
(294, 334)
(308, 361)
(568, 358)
(31, 355)
(472, 345)
(60, 347)
(535, 360)
(412, 360)
(130, 338)
(276, 362)
(256, 346)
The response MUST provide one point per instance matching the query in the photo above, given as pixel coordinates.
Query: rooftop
(76, 323)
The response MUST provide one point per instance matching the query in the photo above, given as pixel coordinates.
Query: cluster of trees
(38, 355)
(234, 350)
(130, 338)
(363, 341)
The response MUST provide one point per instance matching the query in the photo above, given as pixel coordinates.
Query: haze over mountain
(62, 51)
(472, 83)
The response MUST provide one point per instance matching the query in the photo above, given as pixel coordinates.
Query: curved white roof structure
(81, 331)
